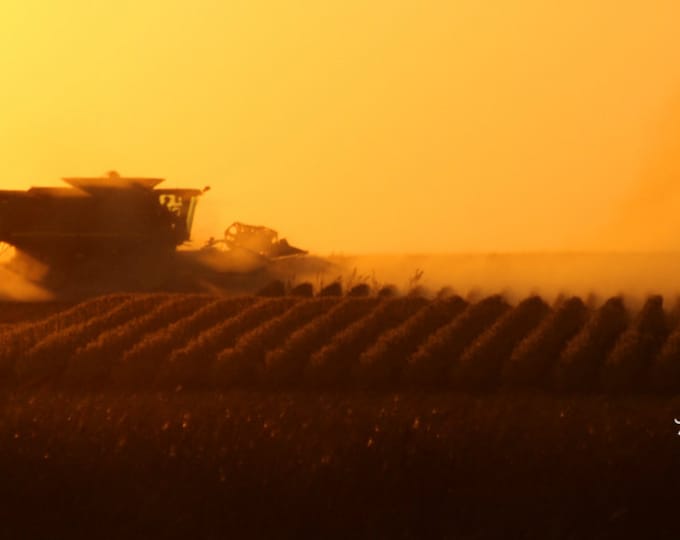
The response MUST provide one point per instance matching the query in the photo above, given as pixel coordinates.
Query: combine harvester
(123, 234)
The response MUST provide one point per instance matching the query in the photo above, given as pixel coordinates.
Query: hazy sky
(354, 125)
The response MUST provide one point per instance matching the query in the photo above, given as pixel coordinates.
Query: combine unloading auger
(126, 233)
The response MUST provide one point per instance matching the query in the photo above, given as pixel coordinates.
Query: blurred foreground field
(311, 465)
(365, 415)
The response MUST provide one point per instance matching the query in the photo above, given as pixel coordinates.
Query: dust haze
(649, 217)
(627, 243)
(633, 275)
(633, 250)
(631, 247)
(20, 277)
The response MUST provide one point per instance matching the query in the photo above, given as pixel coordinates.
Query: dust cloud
(20, 276)
(635, 252)
(649, 217)
(633, 275)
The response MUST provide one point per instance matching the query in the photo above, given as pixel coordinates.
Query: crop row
(149, 341)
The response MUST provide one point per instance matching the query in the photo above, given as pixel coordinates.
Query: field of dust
(634, 275)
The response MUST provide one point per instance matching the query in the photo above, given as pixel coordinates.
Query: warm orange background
(360, 125)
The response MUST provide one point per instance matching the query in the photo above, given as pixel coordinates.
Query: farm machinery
(125, 233)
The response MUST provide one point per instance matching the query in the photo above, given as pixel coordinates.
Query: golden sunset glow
(353, 126)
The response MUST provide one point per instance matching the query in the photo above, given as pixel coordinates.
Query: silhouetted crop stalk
(243, 363)
(49, 356)
(360, 290)
(285, 364)
(336, 362)
(93, 361)
(480, 366)
(664, 374)
(273, 289)
(304, 289)
(627, 366)
(430, 365)
(141, 363)
(193, 364)
(16, 341)
(387, 291)
(332, 289)
(384, 362)
(533, 360)
(580, 363)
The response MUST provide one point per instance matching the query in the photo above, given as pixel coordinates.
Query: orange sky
(354, 126)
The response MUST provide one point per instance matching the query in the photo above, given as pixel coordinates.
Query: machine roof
(112, 182)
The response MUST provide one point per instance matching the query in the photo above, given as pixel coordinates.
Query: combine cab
(127, 227)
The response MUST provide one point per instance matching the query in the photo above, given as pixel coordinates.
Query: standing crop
(285, 364)
(627, 366)
(665, 368)
(15, 312)
(360, 290)
(242, 363)
(48, 357)
(385, 360)
(16, 341)
(481, 364)
(193, 364)
(141, 363)
(332, 289)
(581, 361)
(93, 361)
(533, 359)
(304, 289)
(432, 362)
(336, 362)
